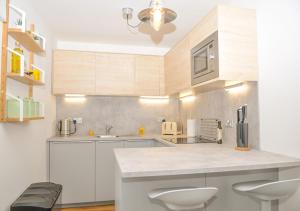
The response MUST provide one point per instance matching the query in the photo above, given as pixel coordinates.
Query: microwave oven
(205, 65)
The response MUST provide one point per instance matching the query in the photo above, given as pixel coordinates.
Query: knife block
(242, 137)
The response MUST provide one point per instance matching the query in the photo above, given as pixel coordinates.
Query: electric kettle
(65, 125)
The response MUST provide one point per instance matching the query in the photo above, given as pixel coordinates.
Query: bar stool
(267, 191)
(180, 199)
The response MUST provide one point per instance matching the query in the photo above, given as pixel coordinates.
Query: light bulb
(157, 15)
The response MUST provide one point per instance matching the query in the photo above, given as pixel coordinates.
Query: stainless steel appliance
(65, 127)
(193, 140)
(205, 65)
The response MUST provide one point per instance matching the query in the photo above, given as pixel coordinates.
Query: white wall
(23, 151)
(279, 92)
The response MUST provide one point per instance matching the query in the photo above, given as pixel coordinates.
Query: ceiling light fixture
(155, 14)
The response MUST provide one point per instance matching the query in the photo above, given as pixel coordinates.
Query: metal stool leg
(266, 206)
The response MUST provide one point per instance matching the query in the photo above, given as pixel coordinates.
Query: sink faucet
(108, 129)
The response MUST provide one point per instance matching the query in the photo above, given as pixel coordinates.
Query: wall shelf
(14, 109)
(13, 120)
(25, 79)
(26, 39)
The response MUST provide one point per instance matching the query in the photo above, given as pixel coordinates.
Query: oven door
(202, 61)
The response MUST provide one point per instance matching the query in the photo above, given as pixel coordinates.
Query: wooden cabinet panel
(107, 74)
(204, 28)
(73, 72)
(148, 75)
(178, 67)
(115, 74)
(237, 44)
(237, 50)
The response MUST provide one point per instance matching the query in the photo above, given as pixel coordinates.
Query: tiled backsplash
(222, 105)
(125, 114)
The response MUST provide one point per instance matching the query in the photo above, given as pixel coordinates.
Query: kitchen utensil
(64, 127)
(191, 128)
(209, 130)
(242, 129)
(169, 128)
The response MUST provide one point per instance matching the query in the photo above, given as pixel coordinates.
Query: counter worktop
(185, 159)
(195, 159)
(94, 138)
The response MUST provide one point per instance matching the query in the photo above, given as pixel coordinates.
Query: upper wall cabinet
(178, 67)
(74, 72)
(149, 75)
(107, 74)
(237, 50)
(115, 74)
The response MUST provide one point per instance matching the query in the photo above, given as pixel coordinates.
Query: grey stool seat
(180, 199)
(267, 191)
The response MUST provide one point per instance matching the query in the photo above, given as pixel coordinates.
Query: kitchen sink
(107, 136)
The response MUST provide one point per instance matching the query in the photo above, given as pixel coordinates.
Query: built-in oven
(205, 60)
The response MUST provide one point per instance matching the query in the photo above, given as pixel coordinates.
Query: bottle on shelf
(16, 60)
(36, 74)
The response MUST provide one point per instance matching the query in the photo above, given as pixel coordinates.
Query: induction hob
(193, 140)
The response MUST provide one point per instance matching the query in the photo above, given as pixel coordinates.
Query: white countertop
(94, 138)
(195, 159)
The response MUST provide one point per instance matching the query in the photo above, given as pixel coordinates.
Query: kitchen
(148, 89)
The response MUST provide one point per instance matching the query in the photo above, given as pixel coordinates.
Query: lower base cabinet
(105, 169)
(86, 169)
(72, 164)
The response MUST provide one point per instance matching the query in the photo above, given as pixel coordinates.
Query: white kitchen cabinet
(105, 169)
(139, 143)
(72, 164)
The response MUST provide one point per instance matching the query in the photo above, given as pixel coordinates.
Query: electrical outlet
(160, 119)
(78, 120)
(229, 124)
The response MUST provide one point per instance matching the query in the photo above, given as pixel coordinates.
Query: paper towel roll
(191, 128)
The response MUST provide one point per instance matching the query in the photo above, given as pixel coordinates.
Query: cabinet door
(139, 143)
(148, 75)
(115, 74)
(178, 68)
(207, 26)
(72, 164)
(105, 170)
(73, 72)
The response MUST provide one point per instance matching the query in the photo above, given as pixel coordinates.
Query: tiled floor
(96, 208)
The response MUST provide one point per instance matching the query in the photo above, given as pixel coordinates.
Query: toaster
(169, 128)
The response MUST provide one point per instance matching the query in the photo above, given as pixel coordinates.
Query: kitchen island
(138, 171)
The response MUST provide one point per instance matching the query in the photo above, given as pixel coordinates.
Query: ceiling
(100, 21)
